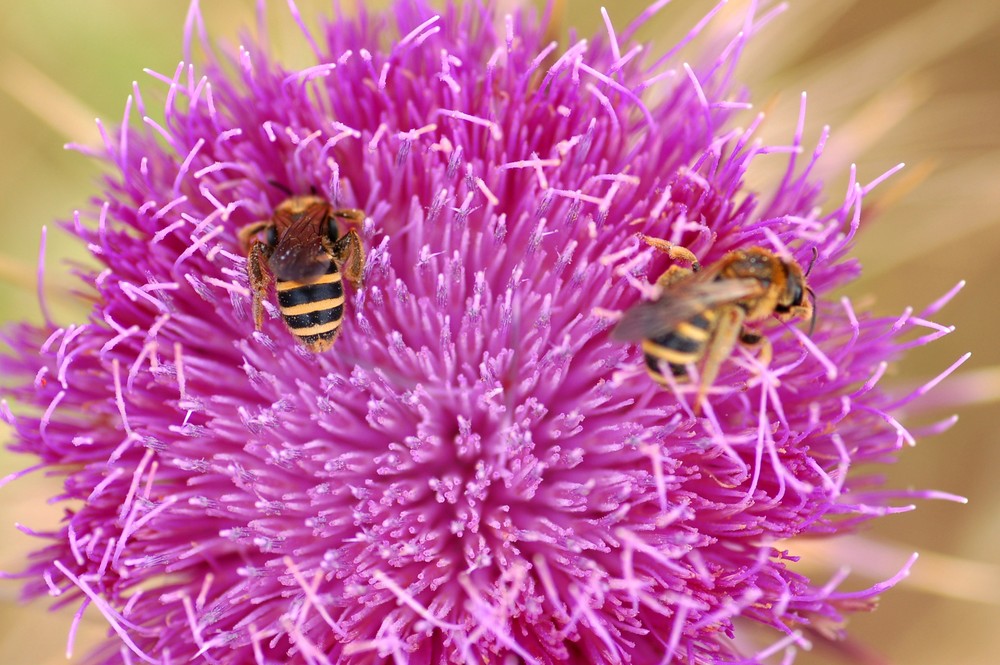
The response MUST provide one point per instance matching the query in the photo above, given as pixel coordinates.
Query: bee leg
(720, 345)
(753, 339)
(350, 254)
(676, 252)
(673, 274)
(259, 278)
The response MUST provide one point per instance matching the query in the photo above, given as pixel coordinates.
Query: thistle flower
(475, 472)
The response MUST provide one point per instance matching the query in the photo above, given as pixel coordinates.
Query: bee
(702, 314)
(305, 254)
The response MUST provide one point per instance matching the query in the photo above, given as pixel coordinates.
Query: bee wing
(299, 254)
(680, 302)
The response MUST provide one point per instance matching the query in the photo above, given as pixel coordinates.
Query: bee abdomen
(679, 347)
(313, 311)
(314, 314)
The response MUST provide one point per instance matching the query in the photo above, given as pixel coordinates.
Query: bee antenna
(278, 185)
(812, 262)
(812, 319)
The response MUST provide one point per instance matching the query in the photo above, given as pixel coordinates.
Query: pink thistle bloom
(476, 472)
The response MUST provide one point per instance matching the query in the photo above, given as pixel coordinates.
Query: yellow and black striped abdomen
(313, 311)
(677, 348)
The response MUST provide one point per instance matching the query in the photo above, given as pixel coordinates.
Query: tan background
(899, 80)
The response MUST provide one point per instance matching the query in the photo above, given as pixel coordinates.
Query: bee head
(796, 300)
(332, 230)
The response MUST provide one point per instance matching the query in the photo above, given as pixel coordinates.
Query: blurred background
(915, 81)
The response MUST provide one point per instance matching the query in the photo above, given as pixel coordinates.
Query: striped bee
(700, 315)
(304, 252)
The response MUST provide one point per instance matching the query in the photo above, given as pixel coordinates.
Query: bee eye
(272, 236)
(332, 232)
(794, 293)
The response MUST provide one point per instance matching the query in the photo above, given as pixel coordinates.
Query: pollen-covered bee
(304, 252)
(700, 314)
